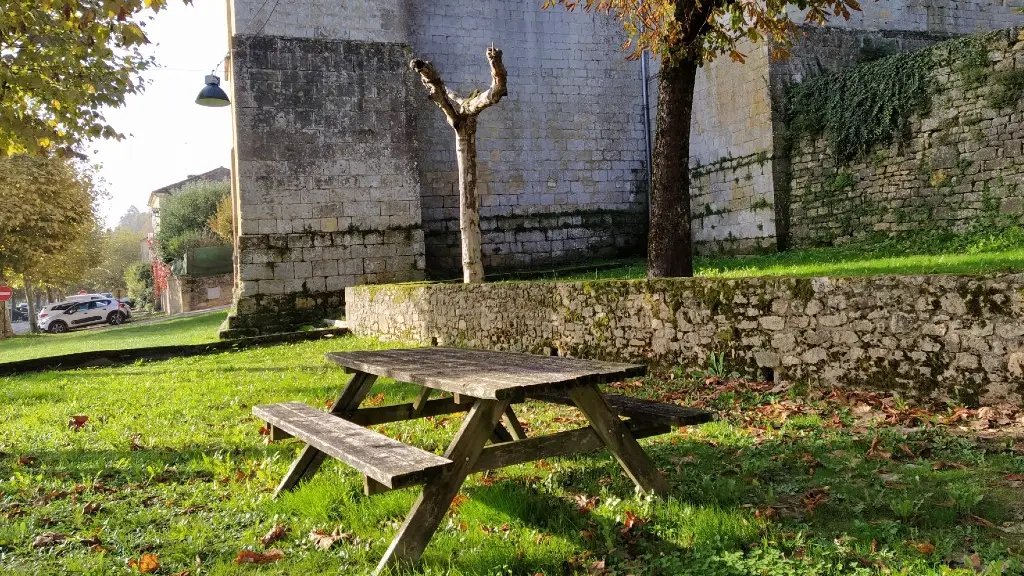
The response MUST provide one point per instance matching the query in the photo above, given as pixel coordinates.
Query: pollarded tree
(61, 63)
(686, 34)
(461, 114)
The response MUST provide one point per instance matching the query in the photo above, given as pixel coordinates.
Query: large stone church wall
(560, 160)
(327, 190)
(347, 173)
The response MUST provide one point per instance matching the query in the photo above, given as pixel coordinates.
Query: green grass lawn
(826, 262)
(188, 330)
(923, 253)
(796, 482)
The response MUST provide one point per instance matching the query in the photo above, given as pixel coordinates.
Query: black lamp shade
(212, 95)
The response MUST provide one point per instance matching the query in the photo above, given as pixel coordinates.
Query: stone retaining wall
(937, 336)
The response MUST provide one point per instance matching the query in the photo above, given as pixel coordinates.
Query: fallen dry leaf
(1015, 477)
(48, 539)
(77, 422)
(250, 557)
(980, 521)
(942, 465)
(597, 568)
(459, 500)
(974, 561)
(91, 541)
(27, 461)
(922, 547)
(276, 533)
(586, 503)
(92, 508)
(323, 541)
(264, 431)
(147, 564)
(766, 513)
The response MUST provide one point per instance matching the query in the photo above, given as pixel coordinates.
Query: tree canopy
(61, 63)
(701, 31)
(185, 219)
(49, 207)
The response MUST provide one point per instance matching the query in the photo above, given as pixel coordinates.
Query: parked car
(20, 313)
(129, 302)
(65, 316)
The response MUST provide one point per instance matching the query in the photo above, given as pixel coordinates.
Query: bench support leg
(513, 424)
(310, 459)
(619, 440)
(428, 511)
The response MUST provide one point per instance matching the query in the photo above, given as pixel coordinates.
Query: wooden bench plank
(383, 459)
(639, 409)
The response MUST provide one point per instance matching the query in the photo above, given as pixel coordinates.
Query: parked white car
(65, 316)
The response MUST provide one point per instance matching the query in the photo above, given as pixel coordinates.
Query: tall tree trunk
(6, 330)
(670, 241)
(30, 296)
(469, 203)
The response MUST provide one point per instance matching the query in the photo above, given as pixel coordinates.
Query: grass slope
(188, 330)
(911, 254)
(171, 463)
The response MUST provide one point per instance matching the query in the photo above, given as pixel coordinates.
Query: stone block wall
(739, 157)
(732, 202)
(347, 173)
(206, 292)
(561, 163)
(935, 336)
(961, 166)
(327, 192)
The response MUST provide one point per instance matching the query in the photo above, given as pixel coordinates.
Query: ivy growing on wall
(871, 104)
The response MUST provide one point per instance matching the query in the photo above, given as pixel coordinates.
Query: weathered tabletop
(483, 373)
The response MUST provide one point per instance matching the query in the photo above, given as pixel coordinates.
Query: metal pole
(647, 132)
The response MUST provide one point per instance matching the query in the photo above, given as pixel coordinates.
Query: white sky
(169, 136)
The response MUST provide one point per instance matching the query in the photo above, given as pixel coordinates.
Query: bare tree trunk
(461, 114)
(6, 330)
(469, 204)
(30, 296)
(670, 241)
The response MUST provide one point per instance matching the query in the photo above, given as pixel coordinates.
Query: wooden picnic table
(485, 384)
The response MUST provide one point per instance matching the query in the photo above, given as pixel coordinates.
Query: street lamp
(212, 95)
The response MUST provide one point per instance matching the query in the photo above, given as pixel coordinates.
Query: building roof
(220, 174)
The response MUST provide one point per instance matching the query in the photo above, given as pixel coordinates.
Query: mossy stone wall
(956, 163)
(936, 336)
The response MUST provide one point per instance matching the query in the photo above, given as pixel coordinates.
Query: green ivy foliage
(870, 105)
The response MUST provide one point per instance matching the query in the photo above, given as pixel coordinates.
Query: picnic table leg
(310, 459)
(428, 511)
(617, 437)
(513, 424)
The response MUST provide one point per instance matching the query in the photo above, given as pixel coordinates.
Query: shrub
(185, 218)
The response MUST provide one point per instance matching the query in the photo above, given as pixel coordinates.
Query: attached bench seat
(388, 461)
(639, 409)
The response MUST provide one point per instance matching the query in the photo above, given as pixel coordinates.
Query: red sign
(5, 293)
